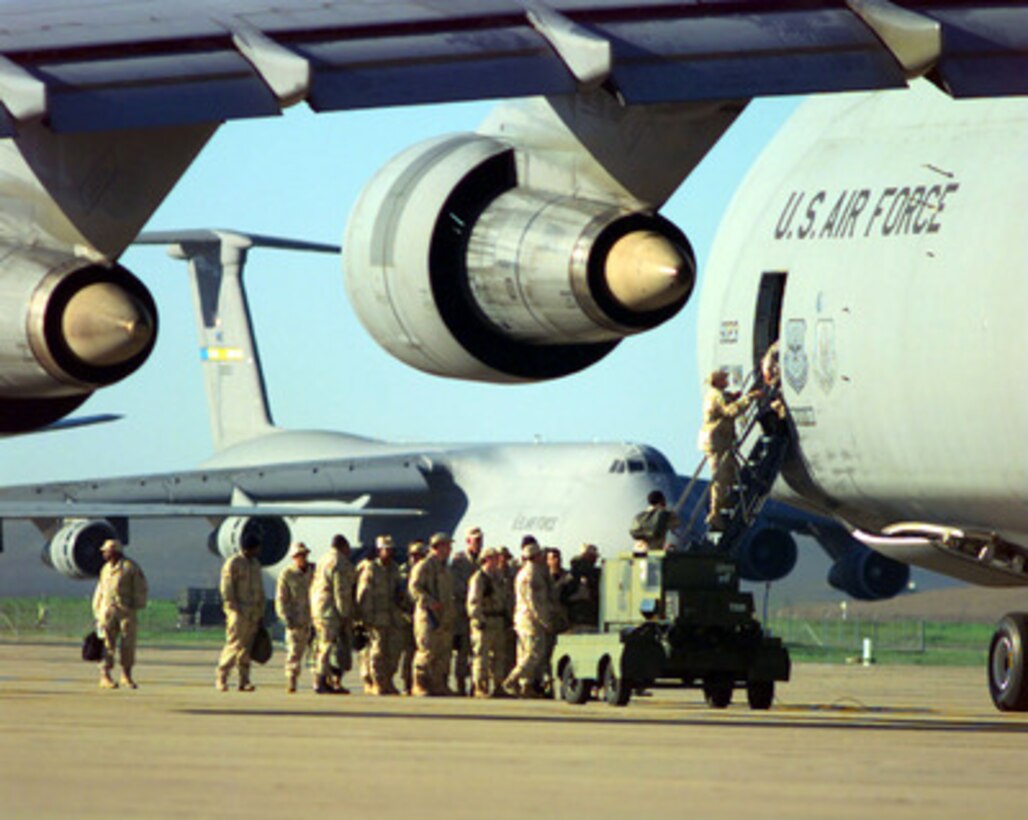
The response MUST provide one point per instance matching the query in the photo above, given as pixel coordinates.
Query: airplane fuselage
(881, 237)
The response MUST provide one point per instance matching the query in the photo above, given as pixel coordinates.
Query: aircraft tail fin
(233, 378)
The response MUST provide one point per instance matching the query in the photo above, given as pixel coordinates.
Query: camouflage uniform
(462, 567)
(242, 596)
(510, 638)
(487, 608)
(717, 437)
(532, 620)
(332, 612)
(120, 593)
(431, 583)
(293, 607)
(363, 662)
(558, 588)
(378, 605)
(407, 646)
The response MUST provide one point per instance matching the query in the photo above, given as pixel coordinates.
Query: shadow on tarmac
(896, 724)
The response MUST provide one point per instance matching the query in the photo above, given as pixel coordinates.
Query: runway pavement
(839, 742)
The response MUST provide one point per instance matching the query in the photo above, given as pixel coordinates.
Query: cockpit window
(620, 467)
(656, 463)
(636, 465)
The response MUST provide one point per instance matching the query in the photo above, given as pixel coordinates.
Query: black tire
(616, 690)
(573, 689)
(718, 692)
(760, 694)
(1008, 680)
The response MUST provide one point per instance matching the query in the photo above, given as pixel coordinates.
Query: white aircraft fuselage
(896, 223)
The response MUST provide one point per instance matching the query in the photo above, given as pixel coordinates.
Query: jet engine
(868, 575)
(769, 555)
(68, 327)
(273, 533)
(74, 550)
(458, 269)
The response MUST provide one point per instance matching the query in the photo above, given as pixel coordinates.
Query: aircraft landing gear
(1008, 678)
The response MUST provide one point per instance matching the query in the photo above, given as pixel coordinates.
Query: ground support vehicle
(672, 619)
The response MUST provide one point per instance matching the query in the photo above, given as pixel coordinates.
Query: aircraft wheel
(616, 691)
(574, 689)
(718, 692)
(760, 694)
(1008, 681)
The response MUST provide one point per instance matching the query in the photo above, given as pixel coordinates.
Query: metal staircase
(759, 452)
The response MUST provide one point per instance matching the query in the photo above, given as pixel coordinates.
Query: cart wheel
(574, 689)
(760, 694)
(718, 692)
(616, 691)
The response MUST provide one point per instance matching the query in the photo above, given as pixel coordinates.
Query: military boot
(321, 685)
(462, 688)
(421, 688)
(126, 678)
(221, 682)
(388, 688)
(106, 681)
(291, 682)
(372, 688)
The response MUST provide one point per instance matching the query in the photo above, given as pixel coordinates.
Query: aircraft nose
(104, 325)
(646, 271)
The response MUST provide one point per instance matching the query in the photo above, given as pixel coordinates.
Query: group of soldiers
(479, 619)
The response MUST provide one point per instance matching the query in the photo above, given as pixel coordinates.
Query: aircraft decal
(729, 332)
(824, 354)
(221, 354)
(795, 363)
(896, 210)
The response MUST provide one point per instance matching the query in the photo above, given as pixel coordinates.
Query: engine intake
(868, 575)
(74, 550)
(273, 533)
(768, 555)
(456, 269)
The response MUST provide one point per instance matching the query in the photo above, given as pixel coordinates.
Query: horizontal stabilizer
(239, 239)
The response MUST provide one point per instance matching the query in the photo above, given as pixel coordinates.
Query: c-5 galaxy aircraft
(307, 485)
(881, 235)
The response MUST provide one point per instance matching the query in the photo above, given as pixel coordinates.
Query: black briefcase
(261, 650)
(92, 647)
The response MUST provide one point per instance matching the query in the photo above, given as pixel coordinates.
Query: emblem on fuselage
(794, 363)
(824, 354)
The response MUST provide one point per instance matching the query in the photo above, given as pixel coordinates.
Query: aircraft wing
(340, 487)
(108, 64)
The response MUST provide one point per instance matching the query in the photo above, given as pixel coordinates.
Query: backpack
(650, 525)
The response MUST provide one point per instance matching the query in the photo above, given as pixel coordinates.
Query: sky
(298, 176)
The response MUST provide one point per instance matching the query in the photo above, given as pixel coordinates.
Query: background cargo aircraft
(292, 485)
(528, 249)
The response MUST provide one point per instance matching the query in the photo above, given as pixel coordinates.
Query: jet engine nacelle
(868, 575)
(273, 533)
(68, 327)
(457, 269)
(74, 550)
(769, 555)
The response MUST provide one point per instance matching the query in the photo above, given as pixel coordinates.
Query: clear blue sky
(298, 176)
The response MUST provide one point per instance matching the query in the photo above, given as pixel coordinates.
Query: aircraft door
(767, 321)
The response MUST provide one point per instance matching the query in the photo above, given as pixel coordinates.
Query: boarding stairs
(759, 452)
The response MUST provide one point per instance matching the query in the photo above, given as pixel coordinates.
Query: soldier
(462, 567)
(120, 594)
(242, 597)
(509, 571)
(717, 440)
(416, 550)
(332, 611)
(379, 608)
(584, 600)
(650, 528)
(559, 587)
(532, 620)
(487, 607)
(293, 607)
(431, 586)
(363, 664)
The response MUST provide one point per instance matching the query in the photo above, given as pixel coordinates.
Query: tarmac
(840, 741)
